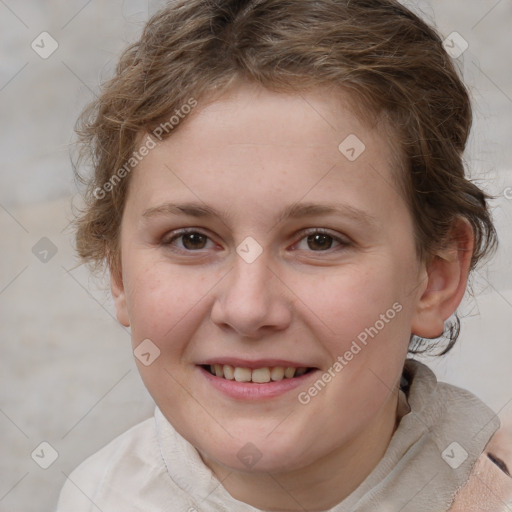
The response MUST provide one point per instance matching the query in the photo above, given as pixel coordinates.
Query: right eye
(186, 240)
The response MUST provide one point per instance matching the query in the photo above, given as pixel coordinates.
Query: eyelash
(168, 242)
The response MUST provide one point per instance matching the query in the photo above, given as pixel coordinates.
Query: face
(253, 246)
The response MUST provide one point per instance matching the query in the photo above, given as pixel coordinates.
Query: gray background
(66, 368)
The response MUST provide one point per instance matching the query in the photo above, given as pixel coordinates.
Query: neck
(323, 483)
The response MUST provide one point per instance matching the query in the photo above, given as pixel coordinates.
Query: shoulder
(489, 487)
(118, 467)
(486, 486)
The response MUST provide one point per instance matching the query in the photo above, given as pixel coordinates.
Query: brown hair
(391, 62)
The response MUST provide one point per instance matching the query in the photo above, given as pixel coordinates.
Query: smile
(255, 375)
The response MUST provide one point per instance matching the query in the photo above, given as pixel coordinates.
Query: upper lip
(256, 363)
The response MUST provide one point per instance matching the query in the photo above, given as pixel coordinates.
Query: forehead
(254, 148)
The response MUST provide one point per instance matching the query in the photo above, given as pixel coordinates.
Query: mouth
(262, 375)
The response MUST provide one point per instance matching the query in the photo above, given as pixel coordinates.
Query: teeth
(277, 373)
(229, 372)
(242, 374)
(289, 372)
(257, 375)
(261, 375)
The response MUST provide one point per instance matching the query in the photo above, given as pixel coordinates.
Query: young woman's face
(253, 241)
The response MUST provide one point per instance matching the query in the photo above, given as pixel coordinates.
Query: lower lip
(255, 391)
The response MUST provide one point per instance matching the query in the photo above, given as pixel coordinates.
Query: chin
(256, 457)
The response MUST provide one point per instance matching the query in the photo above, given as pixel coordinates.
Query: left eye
(319, 241)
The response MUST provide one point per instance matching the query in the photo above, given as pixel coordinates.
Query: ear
(447, 276)
(117, 289)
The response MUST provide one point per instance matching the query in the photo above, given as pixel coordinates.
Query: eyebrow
(293, 211)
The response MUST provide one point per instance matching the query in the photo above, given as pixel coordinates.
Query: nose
(252, 300)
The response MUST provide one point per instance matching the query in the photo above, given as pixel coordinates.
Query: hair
(390, 62)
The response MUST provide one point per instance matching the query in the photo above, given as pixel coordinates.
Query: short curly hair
(390, 62)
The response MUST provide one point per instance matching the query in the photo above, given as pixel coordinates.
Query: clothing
(440, 439)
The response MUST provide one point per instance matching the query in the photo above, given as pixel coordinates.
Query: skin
(248, 155)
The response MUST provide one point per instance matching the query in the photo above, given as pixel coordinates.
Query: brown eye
(320, 242)
(187, 241)
(193, 241)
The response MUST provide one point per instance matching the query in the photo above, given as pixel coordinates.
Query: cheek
(365, 328)
(352, 300)
(163, 301)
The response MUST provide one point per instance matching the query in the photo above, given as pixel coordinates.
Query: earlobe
(447, 275)
(118, 293)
